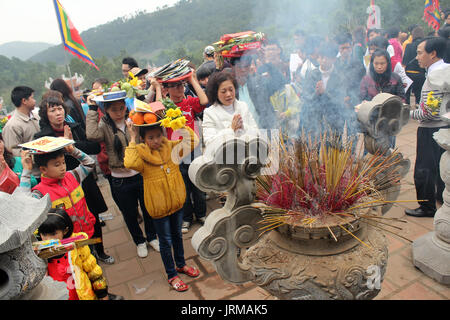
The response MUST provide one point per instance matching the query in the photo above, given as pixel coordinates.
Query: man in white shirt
(427, 178)
(297, 57)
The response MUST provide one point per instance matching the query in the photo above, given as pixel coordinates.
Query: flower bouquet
(433, 103)
(132, 85)
(165, 113)
(174, 118)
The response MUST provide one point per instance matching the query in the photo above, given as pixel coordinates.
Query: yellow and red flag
(71, 38)
(432, 13)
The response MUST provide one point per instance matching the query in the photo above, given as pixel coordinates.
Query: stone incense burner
(291, 261)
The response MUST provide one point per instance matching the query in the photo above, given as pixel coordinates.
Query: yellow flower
(177, 123)
(133, 80)
(166, 122)
(174, 125)
(178, 112)
(180, 122)
(171, 113)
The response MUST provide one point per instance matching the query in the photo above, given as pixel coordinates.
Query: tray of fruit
(144, 119)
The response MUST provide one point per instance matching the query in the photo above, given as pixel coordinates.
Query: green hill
(184, 29)
(22, 50)
(190, 25)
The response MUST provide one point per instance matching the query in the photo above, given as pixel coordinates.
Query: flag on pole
(70, 37)
(432, 13)
(374, 19)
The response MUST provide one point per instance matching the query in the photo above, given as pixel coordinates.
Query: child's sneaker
(112, 296)
(103, 257)
(202, 220)
(142, 250)
(155, 244)
(185, 227)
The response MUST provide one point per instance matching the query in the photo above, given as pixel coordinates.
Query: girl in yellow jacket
(78, 267)
(157, 159)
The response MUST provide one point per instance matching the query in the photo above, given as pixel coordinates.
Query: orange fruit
(150, 118)
(138, 118)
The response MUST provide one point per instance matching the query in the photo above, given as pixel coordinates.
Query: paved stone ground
(145, 279)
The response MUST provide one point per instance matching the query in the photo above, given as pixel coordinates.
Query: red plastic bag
(9, 181)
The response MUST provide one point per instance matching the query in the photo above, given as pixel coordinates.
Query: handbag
(9, 181)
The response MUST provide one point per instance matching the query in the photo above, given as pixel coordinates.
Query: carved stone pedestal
(354, 274)
(290, 262)
(431, 253)
(22, 272)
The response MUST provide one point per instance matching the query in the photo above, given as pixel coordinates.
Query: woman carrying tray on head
(53, 112)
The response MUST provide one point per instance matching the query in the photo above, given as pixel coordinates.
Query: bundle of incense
(51, 248)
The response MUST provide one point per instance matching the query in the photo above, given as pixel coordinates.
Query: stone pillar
(229, 165)
(431, 253)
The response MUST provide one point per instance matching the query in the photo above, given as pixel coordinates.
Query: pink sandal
(179, 286)
(190, 271)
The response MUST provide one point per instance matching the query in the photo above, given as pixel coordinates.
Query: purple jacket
(369, 88)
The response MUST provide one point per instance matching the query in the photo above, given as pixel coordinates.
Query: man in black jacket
(412, 68)
(324, 97)
(256, 88)
(351, 69)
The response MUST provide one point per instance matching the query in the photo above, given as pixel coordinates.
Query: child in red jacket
(64, 187)
(78, 267)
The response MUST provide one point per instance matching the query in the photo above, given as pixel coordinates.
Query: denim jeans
(198, 205)
(169, 234)
(128, 193)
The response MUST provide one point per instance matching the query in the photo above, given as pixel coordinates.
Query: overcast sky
(35, 20)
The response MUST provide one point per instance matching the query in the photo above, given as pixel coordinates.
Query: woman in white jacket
(227, 116)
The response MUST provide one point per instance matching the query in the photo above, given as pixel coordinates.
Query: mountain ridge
(23, 50)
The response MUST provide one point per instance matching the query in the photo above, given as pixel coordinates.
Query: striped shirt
(423, 113)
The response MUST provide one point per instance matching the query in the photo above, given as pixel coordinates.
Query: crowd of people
(315, 88)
